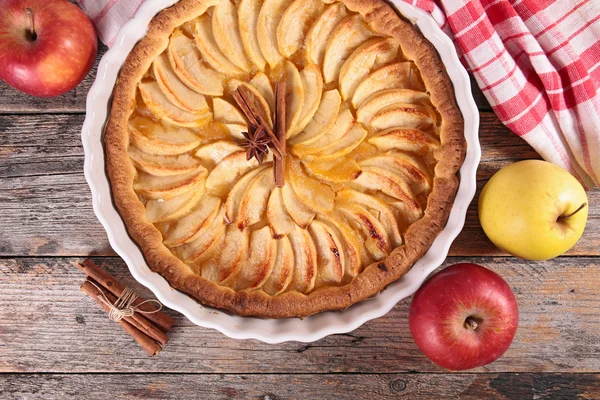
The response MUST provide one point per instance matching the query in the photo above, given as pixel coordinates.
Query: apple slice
(374, 178)
(312, 86)
(300, 213)
(192, 225)
(227, 34)
(305, 255)
(229, 258)
(323, 119)
(353, 249)
(153, 138)
(167, 187)
(227, 113)
(206, 43)
(412, 140)
(162, 165)
(372, 54)
(310, 191)
(402, 115)
(350, 33)
(281, 275)
(373, 232)
(343, 123)
(160, 106)
(320, 31)
(205, 244)
(279, 220)
(384, 98)
(235, 196)
(339, 170)
(174, 90)
(345, 144)
(266, 29)
(184, 58)
(259, 101)
(221, 179)
(261, 257)
(294, 24)
(236, 130)
(330, 254)
(378, 209)
(398, 75)
(167, 210)
(294, 93)
(254, 201)
(405, 165)
(263, 85)
(213, 153)
(248, 11)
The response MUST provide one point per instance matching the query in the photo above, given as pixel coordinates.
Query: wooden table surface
(55, 342)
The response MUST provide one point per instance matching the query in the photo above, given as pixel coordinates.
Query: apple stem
(581, 207)
(31, 34)
(471, 323)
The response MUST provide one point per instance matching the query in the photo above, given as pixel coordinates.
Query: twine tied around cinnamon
(123, 306)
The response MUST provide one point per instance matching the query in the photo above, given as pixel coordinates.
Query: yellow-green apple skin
(525, 209)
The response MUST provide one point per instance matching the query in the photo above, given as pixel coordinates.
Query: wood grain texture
(47, 325)
(46, 202)
(304, 386)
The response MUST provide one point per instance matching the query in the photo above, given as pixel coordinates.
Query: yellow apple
(533, 209)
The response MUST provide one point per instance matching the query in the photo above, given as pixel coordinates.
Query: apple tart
(373, 144)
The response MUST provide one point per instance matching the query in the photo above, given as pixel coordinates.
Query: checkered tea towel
(536, 61)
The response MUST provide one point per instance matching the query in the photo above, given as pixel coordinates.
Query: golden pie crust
(374, 278)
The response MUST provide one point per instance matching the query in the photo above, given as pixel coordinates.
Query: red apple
(464, 317)
(46, 46)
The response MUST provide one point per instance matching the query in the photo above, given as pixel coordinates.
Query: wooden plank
(45, 203)
(48, 325)
(13, 101)
(303, 386)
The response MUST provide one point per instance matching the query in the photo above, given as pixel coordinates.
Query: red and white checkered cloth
(536, 61)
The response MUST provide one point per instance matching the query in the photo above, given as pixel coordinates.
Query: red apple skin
(58, 59)
(439, 309)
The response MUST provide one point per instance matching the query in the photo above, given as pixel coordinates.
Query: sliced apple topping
(281, 275)
(248, 11)
(235, 196)
(294, 96)
(310, 191)
(373, 232)
(261, 257)
(206, 243)
(227, 113)
(153, 138)
(227, 34)
(159, 210)
(213, 153)
(266, 28)
(300, 213)
(160, 106)
(346, 143)
(339, 170)
(343, 123)
(229, 258)
(259, 101)
(405, 165)
(330, 254)
(412, 140)
(350, 33)
(312, 86)
(163, 165)
(221, 179)
(294, 24)
(379, 179)
(167, 187)
(174, 90)
(372, 54)
(279, 219)
(193, 224)
(254, 201)
(263, 85)
(382, 99)
(185, 61)
(398, 75)
(320, 31)
(353, 248)
(323, 119)
(402, 115)
(206, 43)
(305, 270)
